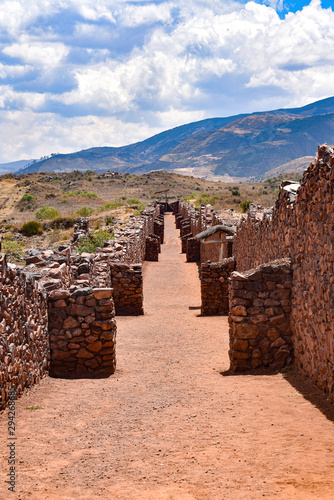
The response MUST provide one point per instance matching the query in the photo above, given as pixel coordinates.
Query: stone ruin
(57, 313)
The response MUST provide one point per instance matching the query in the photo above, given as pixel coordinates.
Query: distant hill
(296, 166)
(242, 146)
(13, 166)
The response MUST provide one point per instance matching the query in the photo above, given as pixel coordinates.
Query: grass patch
(13, 249)
(84, 211)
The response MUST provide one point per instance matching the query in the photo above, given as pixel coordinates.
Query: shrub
(50, 195)
(84, 211)
(136, 205)
(93, 241)
(31, 228)
(235, 192)
(110, 206)
(245, 206)
(13, 250)
(46, 213)
(28, 197)
(88, 194)
(89, 178)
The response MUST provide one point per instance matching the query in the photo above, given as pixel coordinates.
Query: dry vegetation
(70, 195)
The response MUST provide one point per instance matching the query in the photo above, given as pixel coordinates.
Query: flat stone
(59, 294)
(246, 331)
(79, 310)
(102, 293)
(70, 323)
(239, 311)
(95, 346)
(83, 353)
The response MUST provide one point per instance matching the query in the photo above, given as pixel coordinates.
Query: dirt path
(168, 425)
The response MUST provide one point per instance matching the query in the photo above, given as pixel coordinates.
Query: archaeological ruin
(271, 272)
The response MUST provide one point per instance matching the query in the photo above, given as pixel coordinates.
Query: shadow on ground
(300, 383)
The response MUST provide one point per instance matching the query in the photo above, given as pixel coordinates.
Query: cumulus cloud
(38, 53)
(134, 68)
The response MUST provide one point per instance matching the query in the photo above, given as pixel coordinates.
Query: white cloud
(134, 15)
(63, 135)
(38, 53)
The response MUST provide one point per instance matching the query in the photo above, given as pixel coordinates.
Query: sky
(76, 74)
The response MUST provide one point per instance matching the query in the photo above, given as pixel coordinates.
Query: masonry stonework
(215, 287)
(259, 317)
(301, 228)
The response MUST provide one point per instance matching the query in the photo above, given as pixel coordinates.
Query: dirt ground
(169, 425)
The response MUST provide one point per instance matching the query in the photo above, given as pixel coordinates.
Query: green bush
(110, 206)
(84, 211)
(28, 197)
(88, 194)
(235, 192)
(31, 228)
(46, 213)
(13, 250)
(93, 241)
(245, 206)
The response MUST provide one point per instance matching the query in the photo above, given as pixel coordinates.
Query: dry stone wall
(82, 331)
(301, 228)
(259, 319)
(215, 287)
(127, 283)
(24, 340)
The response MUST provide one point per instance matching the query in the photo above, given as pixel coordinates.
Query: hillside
(232, 148)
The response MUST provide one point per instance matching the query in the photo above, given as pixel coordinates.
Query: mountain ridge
(241, 146)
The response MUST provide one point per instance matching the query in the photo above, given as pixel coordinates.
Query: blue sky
(76, 74)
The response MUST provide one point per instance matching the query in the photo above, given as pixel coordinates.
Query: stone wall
(215, 287)
(193, 247)
(127, 283)
(153, 247)
(24, 346)
(259, 319)
(301, 228)
(82, 331)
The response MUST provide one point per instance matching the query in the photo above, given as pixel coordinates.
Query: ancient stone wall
(302, 229)
(193, 247)
(127, 283)
(153, 247)
(82, 331)
(24, 346)
(259, 319)
(215, 287)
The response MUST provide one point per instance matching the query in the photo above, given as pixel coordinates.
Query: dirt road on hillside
(168, 425)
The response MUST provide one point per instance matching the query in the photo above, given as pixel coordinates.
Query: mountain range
(236, 147)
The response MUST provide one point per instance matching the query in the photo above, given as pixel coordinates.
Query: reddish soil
(168, 425)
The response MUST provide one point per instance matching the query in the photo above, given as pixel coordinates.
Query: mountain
(5, 168)
(235, 147)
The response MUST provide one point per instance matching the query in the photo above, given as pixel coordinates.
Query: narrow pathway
(168, 425)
